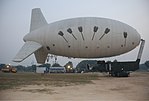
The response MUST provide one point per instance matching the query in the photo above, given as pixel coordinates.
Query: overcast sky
(15, 18)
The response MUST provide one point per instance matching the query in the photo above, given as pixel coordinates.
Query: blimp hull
(85, 37)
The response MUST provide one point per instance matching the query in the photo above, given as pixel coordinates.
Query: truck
(120, 69)
(9, 69)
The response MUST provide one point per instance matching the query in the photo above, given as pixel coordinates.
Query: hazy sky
(15, 18)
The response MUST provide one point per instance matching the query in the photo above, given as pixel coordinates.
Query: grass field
(73, 87)
(15, 80)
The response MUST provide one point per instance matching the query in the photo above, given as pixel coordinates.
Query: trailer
(121, 69)
(42, 69)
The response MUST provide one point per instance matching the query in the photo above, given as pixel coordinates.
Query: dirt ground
(133, 88)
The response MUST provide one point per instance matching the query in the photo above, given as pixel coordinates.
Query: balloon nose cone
(138, 38)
